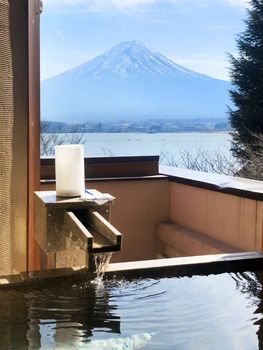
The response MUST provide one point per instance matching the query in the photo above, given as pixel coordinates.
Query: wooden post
(34, 10)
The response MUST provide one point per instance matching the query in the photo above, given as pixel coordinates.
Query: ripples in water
(201, 312)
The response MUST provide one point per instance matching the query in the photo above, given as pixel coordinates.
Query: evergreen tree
(247, 79)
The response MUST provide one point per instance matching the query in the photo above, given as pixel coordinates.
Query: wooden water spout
(69, 231)
(101, 235)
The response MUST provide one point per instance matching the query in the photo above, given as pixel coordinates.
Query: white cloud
(219, 27)
(124, 5)
(240, 3)
(214, 66)
(51, 64)
(101, 5)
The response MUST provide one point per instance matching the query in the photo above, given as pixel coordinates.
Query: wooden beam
(103, 226)
(73, 224)
(34, 10)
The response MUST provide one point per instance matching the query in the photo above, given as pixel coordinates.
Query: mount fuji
(132, 82)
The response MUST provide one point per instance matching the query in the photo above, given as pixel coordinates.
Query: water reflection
(201, 312)
(13, 326)
(251, 284)
(56, 317)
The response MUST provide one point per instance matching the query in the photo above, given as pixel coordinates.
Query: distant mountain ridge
(132, 82)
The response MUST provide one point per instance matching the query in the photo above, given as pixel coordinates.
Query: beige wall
(139, 206)
(230, 219)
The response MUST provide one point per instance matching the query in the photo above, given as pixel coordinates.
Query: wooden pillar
(19, 130)
(34, 10)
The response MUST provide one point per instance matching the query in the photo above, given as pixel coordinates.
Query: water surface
(201, 312)
(128, 144)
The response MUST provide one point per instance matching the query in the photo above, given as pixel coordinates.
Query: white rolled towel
(133, 342)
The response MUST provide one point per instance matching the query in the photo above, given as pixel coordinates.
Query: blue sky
(197, 34)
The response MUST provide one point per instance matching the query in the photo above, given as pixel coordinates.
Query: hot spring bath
(167, 311)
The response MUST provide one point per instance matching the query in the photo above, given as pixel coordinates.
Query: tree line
(247, 93)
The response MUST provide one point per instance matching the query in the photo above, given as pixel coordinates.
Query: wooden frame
(34, 10)
(108, 167)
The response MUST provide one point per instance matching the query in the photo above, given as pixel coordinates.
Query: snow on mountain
(131, 58)
(131, 81)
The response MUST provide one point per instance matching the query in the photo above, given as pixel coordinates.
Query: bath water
(216, 312)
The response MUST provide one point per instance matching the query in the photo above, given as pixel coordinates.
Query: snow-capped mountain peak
(131, 58)
(132, 82)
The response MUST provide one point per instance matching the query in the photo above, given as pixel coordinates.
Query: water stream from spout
(101, 262)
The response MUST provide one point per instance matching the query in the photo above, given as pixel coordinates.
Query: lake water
(176, 149)
(127, 144)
